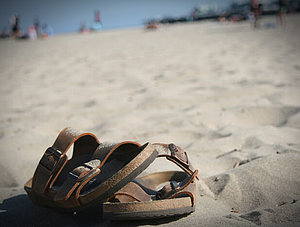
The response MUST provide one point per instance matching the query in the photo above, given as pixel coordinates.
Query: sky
(65, 16)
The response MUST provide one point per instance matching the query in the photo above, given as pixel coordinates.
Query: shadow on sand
(20, 211)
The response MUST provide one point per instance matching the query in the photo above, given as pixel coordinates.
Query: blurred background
(72, 15)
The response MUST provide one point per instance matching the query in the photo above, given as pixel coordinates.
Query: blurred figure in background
(97, 25)
(47, 31)
(256, 10)
(153, 25)
(32, 34)
(83, 28)
(282, 8)
(37, 26)
(98, 17)
(15, 25)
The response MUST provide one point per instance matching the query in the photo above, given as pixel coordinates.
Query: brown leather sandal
(95, 172)
(142, 198)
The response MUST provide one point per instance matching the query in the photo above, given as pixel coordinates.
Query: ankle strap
(55, 158)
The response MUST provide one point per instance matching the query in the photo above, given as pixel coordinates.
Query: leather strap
(76, 178)
(131, 192)
(174, 188)
(76, 181)
(55, 158)
(177, 155)
(134, 192)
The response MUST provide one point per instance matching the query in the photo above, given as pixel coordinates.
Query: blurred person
(282, 8)
(83, 28)
(46, 31)
(256, 11)
(15, 25)
(32, 34)
(97, 25)
(37, 26)
(153, 25)
(98, 17)
(194, 14)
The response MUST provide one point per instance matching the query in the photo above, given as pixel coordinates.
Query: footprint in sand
(293, 121)
(90, 104)
(1, 135)
(253, 217)
(252, 142)
(217, 183)
(261, 115)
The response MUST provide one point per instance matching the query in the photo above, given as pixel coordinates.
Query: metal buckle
(87, 175)
(79, 178)
(50, 158)
(174, 150)
(54, 152)
(172, 147)
(86, 165)
(73, 175)
(92, 164)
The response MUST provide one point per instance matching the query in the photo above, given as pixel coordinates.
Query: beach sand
(226, 93)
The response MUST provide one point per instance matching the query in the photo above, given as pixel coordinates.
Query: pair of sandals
(102, 173)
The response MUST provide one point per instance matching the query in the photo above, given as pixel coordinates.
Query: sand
(227, 93)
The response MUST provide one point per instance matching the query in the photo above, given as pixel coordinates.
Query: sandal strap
(177, 155)
(131, 192)
(134, 192)
(55, 158)
(78, 178)
(170, 191)
(76, 181)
